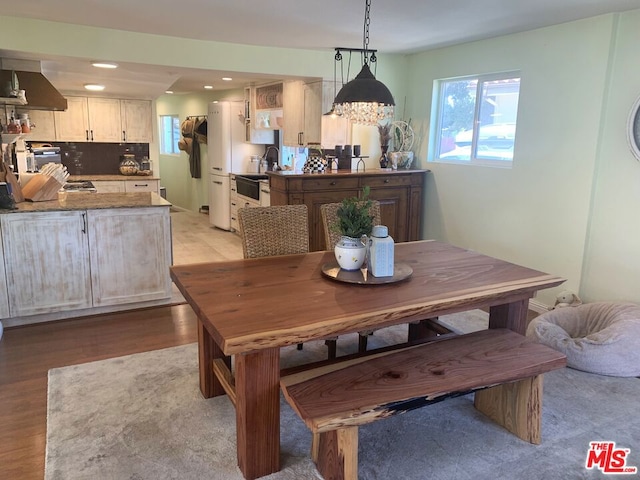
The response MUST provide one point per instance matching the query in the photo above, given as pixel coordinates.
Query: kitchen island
(398, 191)
(83, 254)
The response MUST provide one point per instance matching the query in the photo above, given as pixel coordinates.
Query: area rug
(142, 417)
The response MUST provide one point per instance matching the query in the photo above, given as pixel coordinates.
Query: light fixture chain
(367, 21)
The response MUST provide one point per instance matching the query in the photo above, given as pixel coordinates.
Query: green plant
(354, 216)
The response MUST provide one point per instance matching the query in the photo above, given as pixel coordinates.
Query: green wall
(561, 204)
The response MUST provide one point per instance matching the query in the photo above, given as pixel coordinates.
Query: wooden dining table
(251, 308)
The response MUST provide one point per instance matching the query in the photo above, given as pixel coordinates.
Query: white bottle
(381, 252)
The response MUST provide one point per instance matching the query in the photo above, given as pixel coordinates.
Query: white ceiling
(398, 26)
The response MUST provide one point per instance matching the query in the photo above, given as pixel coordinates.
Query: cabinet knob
(386, 180)
(332, 183)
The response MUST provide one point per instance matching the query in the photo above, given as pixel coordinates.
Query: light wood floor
(27, 353)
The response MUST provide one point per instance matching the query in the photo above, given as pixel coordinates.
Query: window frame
(439, 98)
(175, 120)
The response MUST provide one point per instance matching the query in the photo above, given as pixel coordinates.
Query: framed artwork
(633, 129)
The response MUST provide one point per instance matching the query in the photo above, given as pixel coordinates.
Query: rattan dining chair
(277, 230)
(329, 215)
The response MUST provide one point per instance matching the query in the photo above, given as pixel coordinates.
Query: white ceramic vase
(350, 253)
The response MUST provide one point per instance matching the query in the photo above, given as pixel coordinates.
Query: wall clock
(633, 129)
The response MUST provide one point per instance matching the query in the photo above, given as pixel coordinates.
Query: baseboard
(538, 307)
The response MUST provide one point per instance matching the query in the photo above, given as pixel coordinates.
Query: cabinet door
(313, 113)
(394, 211)
(47, 262)
(72, 125)
(42, 126)
(314, 201)
(105, 123)
(4, 294)
(136, 121)
(293, 113)
(109, 186)
(130, 255)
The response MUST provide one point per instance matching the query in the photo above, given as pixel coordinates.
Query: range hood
(40, 93)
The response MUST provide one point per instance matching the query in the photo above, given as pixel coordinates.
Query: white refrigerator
(228, 153)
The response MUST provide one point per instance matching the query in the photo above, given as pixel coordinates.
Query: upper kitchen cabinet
(100, 120)
(72, 125)
(105, 121)
(136, 121)
(304, 123)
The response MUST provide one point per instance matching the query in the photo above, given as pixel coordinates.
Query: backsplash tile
(94, 158)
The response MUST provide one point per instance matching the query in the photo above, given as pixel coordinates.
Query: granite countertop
(110, 178)
(92, 201)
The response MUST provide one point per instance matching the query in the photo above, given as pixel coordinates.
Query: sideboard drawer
(331, 183)
(387, 181)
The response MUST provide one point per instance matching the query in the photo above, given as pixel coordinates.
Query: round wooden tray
(332, 270)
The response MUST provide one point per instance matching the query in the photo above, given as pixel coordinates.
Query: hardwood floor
(27, 353)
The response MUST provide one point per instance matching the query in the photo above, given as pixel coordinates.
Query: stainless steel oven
(249, 185)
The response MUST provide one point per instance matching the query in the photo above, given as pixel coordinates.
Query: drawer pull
(386, 180)
(140, 184)
(332, 183)
(264, 191)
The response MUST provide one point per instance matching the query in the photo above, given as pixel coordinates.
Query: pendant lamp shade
(364, 99)
(365, 88)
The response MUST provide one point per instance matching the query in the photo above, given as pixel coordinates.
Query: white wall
(570, 136)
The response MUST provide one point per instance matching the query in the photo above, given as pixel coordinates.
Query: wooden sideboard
(399, 193)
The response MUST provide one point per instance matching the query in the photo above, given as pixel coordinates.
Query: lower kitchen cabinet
(4, 294)
(46, 262)
(58, 261)
(130, 255)
(109, 186)
(140, 184)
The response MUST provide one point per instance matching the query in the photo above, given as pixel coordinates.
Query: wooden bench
(503, 368)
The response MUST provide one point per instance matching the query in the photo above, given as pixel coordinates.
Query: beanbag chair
(602, 338)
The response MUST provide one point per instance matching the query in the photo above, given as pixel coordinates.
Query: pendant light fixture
(364, 99)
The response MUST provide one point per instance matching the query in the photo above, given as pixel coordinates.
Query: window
(169, 134)
(476, 122)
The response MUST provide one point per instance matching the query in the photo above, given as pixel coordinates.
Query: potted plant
(401, 155)
(354, 223)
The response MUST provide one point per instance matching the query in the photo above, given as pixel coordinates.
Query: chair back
(329, 215)
(274, 230)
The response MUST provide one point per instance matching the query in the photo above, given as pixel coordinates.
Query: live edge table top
(254, 304)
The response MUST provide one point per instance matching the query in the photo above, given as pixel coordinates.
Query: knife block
(41, 188)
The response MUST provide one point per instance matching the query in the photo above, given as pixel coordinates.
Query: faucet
(269, 148)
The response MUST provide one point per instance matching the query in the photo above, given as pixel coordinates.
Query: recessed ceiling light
(94, 87)
(208, 87)
(105, 65)
(168, 91)
(227, 79)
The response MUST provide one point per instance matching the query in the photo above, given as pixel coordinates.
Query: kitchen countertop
(92, 201)
(110, 178)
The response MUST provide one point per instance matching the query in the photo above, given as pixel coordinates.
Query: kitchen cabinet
(46, 261)
(265, 194)
(4, 294)
(136, 121)
(105, 121)
(142, 185)
(399, 193)
(293, 113)
(94, 119)
(72, 125)
(233, 202)
(136, 184)
(130, 255)
(304, 122)
(109, 186)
